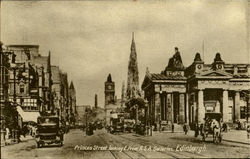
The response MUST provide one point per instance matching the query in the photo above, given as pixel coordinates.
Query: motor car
(48, 131)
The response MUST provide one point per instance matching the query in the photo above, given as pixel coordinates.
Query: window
(243, 112)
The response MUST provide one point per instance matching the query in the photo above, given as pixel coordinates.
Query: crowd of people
(26, 130)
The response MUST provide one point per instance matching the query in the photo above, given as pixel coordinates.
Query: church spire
(133, 74)
(133, 44)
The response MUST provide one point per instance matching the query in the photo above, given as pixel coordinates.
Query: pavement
(236, 136)
(22, 139)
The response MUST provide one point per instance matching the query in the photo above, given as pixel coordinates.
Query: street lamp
(15, 131)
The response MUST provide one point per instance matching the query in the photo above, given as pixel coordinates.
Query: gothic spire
(71, 86)
(133, 74)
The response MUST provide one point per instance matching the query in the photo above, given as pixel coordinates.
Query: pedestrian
(196, 130)
(239, 125)
(185, 129)
(172, 127)
(224, 126)
(7, 133)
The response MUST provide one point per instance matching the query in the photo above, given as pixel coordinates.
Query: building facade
(184, 94)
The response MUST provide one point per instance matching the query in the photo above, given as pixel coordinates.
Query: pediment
(212, 73)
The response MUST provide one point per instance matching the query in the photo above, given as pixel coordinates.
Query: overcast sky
(90, 39)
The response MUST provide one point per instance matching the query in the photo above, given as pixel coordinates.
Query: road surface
(125, 146)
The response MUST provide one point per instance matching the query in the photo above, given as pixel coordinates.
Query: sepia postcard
(107, 79)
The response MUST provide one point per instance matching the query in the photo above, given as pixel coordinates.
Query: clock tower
(109, 91)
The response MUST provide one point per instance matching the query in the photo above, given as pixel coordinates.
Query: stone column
(225, 106)
(172, 107)
(169, 107)
(181, 108)
(157, 106)
(237, 105)
(187, 108)
(201, 108)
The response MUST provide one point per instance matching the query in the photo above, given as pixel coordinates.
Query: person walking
(185, 129)
(196, 130)
(172, 127)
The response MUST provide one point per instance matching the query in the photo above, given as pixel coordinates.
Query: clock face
(219, 66)
(109, 87)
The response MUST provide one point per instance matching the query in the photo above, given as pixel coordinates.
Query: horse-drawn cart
(212, 126)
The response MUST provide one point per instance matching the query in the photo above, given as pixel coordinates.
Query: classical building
(183, 95)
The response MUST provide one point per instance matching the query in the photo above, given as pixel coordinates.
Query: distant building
(81, 114)
(72, 103)
(111, 104)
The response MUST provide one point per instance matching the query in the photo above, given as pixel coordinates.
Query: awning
(28, 116)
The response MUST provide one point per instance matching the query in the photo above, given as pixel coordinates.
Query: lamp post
(15, 131)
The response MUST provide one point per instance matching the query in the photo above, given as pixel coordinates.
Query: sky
(90, 39)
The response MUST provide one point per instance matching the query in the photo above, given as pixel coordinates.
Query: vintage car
(48, 131)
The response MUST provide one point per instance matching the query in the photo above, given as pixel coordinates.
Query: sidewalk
(22, 139)
(236, 136)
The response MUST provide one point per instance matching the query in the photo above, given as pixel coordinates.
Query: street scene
(128, 79)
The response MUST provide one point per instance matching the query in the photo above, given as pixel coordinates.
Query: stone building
(65, 110)
(183, 95)
(26, 81)
(56, 89)
(29, 61)
(4, 87)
